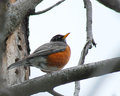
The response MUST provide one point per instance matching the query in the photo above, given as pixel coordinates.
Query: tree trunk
(16, 48)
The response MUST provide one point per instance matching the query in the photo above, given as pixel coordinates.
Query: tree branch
(54, 93)
(49, 81)
(90, 38)
(51, 7)
(90, 41)
(113, 4)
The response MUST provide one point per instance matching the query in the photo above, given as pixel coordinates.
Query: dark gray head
(61, 38)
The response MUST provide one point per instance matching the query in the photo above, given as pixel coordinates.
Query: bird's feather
(48, 48)
(44, 50)
(18, 63)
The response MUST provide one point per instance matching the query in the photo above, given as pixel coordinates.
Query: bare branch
(54, 93)
(113, 4)
(84, 52)
(77, 88)
(81, 62)
(51, 7)
(88, 7)
(49, 81)
(89, 42)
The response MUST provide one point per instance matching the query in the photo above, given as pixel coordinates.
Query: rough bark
(3, 10)
(16, 48)
(14, 15)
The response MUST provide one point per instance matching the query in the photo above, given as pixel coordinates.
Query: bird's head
(61, 38)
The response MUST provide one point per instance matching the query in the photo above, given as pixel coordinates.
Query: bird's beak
(66, 35)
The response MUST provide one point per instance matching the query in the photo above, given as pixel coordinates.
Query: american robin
(49, 57)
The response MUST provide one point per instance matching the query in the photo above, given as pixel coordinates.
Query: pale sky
(70, 16)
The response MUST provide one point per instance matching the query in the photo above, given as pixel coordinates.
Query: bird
(49, 57)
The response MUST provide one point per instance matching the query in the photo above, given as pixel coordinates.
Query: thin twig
(88, 6)
(45, 10)
(54, 93)
(77, 88)
(90, 41)
(84, 53)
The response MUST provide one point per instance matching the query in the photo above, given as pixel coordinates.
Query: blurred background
(70, 16)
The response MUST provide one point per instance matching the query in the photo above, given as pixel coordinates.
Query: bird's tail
(16, 64)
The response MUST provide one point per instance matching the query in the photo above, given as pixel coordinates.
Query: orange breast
(59, 59)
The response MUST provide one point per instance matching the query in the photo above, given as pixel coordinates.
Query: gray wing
(43, 50)
(48, 48)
